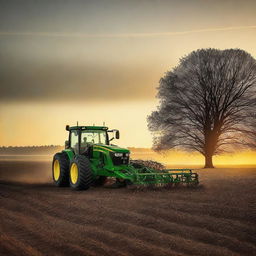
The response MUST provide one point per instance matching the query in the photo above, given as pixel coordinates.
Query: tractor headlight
(120, 158)
(118, 154)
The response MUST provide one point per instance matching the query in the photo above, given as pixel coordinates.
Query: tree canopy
(206, 103)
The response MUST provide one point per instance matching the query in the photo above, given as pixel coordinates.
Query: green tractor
(89, 159)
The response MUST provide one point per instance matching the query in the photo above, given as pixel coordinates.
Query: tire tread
(85, 173)
(63, 159)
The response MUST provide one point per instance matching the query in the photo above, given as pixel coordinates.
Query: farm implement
(89, 159)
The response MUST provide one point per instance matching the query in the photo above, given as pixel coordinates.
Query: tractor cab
(82, 138)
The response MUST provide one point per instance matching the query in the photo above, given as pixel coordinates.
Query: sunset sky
(100, 61)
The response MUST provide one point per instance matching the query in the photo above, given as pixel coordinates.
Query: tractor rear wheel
(60, 169)
(80, 177)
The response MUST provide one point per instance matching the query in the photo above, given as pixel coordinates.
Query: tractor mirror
(67, 127)
(117, 134)
(66, 144)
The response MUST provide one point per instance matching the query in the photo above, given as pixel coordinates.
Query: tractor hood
(111, 148)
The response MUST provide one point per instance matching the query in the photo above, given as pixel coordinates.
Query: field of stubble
(37, 218)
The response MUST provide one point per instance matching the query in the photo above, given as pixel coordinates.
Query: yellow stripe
(105, 148)
(100, 150)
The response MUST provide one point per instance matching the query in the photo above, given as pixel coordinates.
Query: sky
(65, 61)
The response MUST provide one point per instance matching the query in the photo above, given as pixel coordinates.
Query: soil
(37, 218)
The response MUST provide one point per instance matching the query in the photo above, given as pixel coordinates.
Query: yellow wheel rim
(56, 170)
(74, 173)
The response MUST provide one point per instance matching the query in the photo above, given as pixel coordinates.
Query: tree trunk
(208, 161)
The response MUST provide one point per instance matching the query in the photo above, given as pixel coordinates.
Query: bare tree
(206, 103)
(250, 131)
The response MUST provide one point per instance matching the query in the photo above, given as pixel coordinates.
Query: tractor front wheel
(60, 167)
(80, 173)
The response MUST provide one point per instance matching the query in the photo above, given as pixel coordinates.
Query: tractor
(89, 159)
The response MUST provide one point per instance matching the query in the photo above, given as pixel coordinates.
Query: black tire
(84, 178)
(62, 179)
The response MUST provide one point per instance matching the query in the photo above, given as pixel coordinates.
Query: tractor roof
(104, 128)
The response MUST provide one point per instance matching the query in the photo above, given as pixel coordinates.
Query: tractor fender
(69, 153)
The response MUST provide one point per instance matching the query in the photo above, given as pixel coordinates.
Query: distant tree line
(30, 150)
(45, 150)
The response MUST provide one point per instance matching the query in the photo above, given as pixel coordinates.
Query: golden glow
(74, 173)
(175, 158)
(44, 124)
(242, 158)
(56, 170)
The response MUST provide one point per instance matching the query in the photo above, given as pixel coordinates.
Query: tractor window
(74, 141)
(93, 137)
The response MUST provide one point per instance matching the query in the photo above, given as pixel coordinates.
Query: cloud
(123, 35)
